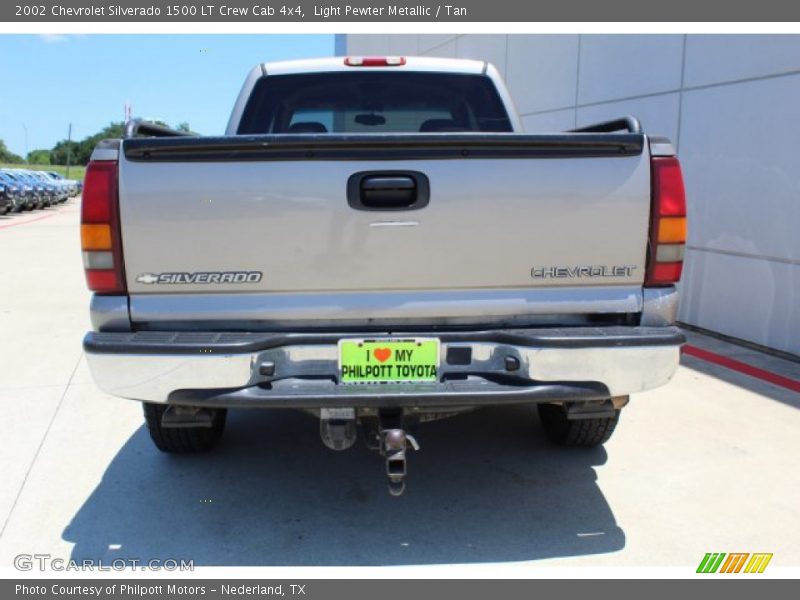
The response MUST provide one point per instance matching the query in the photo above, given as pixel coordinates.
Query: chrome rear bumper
(301, 370)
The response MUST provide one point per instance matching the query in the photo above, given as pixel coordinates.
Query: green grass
(75, 172)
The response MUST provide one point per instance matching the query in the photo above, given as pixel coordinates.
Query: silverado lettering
(219, 277)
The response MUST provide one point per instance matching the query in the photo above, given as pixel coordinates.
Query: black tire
(182, 440)
(583, 433)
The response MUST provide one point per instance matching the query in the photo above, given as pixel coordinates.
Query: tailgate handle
(388, 190)
(397, 191)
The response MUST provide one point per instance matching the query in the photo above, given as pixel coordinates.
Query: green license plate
(388, 360)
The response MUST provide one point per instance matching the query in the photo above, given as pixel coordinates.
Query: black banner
(459, 11)
(399, 589)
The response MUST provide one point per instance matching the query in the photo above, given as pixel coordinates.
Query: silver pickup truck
(377, 242)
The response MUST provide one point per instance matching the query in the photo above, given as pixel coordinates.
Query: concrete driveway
(707, 463)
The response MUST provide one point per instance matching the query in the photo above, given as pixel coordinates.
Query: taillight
(375, 61)
(667, 223)
(101, 242)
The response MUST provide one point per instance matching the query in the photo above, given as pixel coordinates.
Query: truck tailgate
(530, 213)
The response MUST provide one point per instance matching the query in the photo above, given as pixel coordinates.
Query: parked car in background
(73, 186)
(13, 192)
(57, 190)
(41, 192)
(51, 192)
(66, 187)
(6, 203)
(27, 192)
(27, 189)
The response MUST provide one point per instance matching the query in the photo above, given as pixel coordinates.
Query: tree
(64, 149)
(79, 152)
(76, 152)
(7, 156)
(39, 157)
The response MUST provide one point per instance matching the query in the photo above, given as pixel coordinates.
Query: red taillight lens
(101, 280)
(375, 61)
(667, 223)
(101, 241)
(99, 192)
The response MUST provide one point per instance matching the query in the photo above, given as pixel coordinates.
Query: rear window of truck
(376, 102)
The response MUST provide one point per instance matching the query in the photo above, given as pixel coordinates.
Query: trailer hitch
(385, 431)
(394, 443)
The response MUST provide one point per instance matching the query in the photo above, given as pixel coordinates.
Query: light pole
(26, 142)
(69, 148)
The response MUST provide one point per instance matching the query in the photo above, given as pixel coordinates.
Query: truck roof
(412, 63)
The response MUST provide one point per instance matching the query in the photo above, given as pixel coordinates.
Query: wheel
(585, 433)
(182, 440)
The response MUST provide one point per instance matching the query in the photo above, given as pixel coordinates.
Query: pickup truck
(377, 242)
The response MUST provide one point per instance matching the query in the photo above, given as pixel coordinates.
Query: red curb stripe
(28, 221)
(735, 365)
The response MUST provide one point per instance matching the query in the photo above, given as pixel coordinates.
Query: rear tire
(182, 440)
(582, 433)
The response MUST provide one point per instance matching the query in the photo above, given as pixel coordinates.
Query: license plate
(388, 360)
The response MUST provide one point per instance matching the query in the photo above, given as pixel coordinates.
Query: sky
(48, 81)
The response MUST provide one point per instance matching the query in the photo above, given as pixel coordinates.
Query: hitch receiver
(394, 445)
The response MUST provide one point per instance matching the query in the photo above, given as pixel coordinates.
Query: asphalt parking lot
(705, 464)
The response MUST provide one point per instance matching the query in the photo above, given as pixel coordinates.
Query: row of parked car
(24, 189)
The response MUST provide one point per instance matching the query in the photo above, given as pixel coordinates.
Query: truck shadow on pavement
(764, 389)
(485, 487)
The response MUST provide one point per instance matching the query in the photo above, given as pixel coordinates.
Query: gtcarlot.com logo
(734, 562)
(46, 562)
